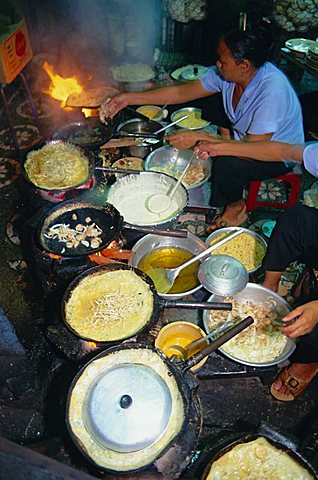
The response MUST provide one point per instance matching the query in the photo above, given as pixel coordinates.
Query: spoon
(185, 351)
(164, 278)
(160, 111)
(160, 202)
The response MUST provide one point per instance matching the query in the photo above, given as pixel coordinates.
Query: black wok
(158, 303)
(107, 218)
(127, 400)
(90, 133)
(278, 440)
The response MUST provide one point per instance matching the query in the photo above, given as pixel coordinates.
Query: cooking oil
(171, 257)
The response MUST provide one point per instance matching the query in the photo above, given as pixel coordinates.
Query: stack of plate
(311, 58)
(300, 46)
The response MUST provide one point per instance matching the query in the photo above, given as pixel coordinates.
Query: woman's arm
(171, 95)
(263, 151)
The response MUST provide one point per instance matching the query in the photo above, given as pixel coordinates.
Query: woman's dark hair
(253, 44)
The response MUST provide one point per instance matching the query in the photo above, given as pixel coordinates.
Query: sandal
(219, 222)
(294, 385)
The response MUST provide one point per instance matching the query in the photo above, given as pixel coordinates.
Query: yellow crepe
(56, 166)
(110, 306)
(257, 460)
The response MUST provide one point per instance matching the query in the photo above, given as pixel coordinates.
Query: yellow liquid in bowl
(171, 257)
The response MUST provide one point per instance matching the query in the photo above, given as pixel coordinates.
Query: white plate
(300, 45)
(187, 71)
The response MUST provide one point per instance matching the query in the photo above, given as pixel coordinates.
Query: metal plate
(262, 296)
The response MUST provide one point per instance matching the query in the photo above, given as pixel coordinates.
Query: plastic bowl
(181, 334)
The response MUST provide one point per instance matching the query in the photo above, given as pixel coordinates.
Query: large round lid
(125, 407)
(120, 408)
(223, 275)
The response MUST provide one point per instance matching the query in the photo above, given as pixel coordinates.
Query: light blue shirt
(269, 104)
(310, 158)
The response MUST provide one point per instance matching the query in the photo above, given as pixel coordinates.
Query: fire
(61, 88)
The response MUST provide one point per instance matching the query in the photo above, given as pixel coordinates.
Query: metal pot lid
(121, 404)
(223, 275)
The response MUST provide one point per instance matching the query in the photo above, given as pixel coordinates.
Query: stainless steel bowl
(192, 111)
(229, 230)
(139, 126)
(173, 161)
(150, 242)
(261, 296)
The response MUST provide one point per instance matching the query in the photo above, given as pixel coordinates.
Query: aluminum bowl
(261, 296)
(139, 126)
(150, 242)
(229, 230)
(172, 161)
(184, 124)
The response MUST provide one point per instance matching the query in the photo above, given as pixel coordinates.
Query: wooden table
(299, 62)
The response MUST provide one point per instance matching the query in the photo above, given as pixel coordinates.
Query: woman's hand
(185, 138)
(212, 148)
(307, 319)
(111, 107)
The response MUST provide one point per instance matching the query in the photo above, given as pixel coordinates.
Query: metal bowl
(229, 230)
(150, 242)
(191, 111)
(261, 296)
(172, 161)
(139, 126)
(129, 195)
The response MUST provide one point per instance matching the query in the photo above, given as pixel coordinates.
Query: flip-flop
(292, 383)
(219, 222)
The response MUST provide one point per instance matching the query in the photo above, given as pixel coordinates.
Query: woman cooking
(259, 102)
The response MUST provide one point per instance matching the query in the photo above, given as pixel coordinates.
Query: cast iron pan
(277, 439)
(158, 305)
(84, 152)
(90, 133)
(74, 213)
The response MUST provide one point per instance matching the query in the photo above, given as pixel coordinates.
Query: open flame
(61, 88)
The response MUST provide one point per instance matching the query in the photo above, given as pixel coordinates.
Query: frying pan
(74, 213)
(276, 439)
(84, 152)
(158, 303)
(127, 386)
(90, 133)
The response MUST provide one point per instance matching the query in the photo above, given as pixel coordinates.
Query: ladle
(185, 352)
(160, 111)
(160, 202)
(164, 278)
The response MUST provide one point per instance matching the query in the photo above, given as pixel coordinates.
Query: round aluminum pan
(172, 161)
(229, 230)
(183, 111)
(150, 242)
(261, 296)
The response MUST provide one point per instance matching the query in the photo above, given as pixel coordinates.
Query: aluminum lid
(120, 406)
(223, 275)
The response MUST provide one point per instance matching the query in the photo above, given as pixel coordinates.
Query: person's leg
(295, 237)
(230, 176)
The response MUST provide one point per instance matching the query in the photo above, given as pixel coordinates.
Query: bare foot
(297, 376)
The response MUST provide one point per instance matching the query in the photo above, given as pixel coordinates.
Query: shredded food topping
(260, 342)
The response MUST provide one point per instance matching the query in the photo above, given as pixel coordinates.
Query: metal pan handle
(156, 231)
(196, 305)
(195, 359)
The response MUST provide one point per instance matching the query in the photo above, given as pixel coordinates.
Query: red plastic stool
(294, 180)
